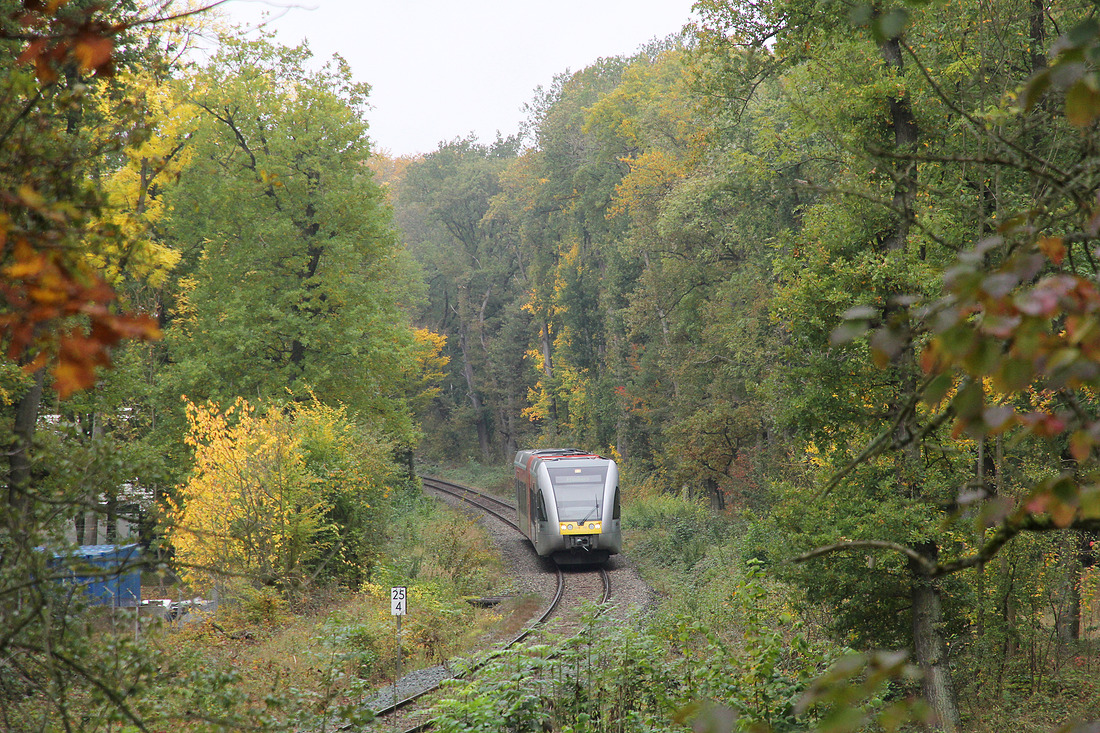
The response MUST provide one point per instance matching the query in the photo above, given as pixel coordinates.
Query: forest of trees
(828, 266)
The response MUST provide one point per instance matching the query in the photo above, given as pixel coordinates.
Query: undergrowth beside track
(730, 647)
(261, 662)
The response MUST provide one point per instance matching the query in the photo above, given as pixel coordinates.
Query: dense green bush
(671, 531)
(652, 678)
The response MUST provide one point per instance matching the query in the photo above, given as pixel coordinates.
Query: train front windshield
(579, 491)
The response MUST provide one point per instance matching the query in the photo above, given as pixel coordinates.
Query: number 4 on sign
(399, 604)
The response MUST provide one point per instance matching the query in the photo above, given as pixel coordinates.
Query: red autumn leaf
(33, 50)
(1054, 248)
(999, 418)
(40, 290)
(1037, 504)
(77, 346)
(1043, 424)
(961, 426)
(93, 51)
(1001, 326)
(1038, 302)
(25, 268)
(44, 70)
(929, 358)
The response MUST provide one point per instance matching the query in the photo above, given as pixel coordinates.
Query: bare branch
(927, 566)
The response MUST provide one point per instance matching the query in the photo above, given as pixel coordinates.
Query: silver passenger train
(568, 504)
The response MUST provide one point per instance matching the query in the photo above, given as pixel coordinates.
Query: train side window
(540, 507)
(616, 509)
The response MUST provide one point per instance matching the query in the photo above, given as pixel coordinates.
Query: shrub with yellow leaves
(283, 497)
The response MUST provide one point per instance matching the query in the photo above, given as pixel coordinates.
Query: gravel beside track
(411, 684)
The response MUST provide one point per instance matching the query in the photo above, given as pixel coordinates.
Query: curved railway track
(503, 512)
(499, 508)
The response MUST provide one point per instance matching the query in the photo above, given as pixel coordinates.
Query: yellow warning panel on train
(581, 527)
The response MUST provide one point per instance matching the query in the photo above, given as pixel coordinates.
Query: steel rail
(604, 576)
(473, 496)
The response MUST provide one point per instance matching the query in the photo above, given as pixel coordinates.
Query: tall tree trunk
(714, 493)
(930, 648)
(547, 344)
(1037, 35)
(475, 395)
(1067, 620)
(662, 318)
(905, 138)
(929, 645)
(91, 528)
(19, 454)
(507, 430)
(111, 517)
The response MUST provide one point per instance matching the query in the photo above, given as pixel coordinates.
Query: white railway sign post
(399, 606)
(398, 602)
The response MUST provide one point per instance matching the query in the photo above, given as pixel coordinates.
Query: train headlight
(580, 527)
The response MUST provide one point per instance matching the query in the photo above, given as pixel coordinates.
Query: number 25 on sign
(399, 604)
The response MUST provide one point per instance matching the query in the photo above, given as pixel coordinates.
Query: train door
(534, 497)
(533, 503)
(538, 516)
(523, 506)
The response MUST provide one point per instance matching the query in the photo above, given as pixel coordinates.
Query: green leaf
(886, 343)
(970, 401)
(890, 25)
(983, 357)
(1082, 103)
(842, 719)
(1090, 501)
(957, 340)
(859, 313)
(937, 389)
(1080, 445)
(848, 331)
(1084, 33)
(1013, 375)
(861, 14)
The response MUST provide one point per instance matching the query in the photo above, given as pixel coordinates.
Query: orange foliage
(44, 290)
(53, 305)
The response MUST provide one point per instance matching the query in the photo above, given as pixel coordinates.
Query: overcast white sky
(441, 69)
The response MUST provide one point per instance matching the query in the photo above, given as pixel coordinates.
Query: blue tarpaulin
(110, 574)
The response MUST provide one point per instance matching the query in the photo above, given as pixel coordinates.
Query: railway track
(504, 511)
(574, 588)
(499, 508)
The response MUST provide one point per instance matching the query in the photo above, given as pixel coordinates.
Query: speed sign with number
(399, 604)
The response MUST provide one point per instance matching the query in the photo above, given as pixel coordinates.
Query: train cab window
(540, 508)
(578, 490)
(616, 509)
